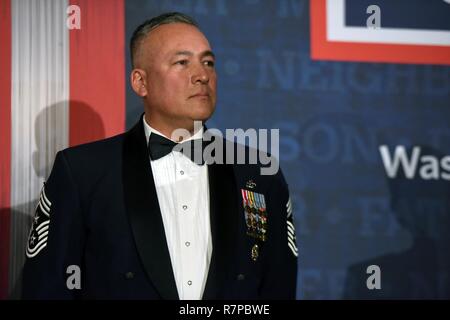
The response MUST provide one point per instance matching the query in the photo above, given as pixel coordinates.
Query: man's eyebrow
(207, 53)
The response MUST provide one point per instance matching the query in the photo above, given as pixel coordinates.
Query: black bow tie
(159, 146)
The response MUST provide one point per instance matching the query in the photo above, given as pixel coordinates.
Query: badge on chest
(255, 214)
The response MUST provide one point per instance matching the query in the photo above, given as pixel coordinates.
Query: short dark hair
(141, 31)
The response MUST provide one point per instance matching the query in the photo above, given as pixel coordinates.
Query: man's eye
(209, 63)
(182, 62)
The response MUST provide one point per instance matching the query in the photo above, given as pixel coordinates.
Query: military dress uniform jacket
(99, 211)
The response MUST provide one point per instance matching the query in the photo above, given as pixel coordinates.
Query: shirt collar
(149, 130)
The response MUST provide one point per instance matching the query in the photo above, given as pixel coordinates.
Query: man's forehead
(178, 37)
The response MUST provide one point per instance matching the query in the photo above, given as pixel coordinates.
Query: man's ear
(139, 82)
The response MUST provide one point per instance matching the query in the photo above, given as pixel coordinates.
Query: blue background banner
(354, 204)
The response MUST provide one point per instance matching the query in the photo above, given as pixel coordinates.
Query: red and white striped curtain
(58, 88)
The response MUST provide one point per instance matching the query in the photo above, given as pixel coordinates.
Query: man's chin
(203, 114)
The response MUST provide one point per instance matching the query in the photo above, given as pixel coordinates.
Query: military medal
(255, 252)
(255, 214)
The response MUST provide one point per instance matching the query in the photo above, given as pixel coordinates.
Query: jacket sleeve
(280, 261)
(56, 238)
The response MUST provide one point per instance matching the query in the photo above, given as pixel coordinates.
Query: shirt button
(240, 277)
(129, 275)
(187, 243)
(184, 207)
(189, 282)
(181, 172)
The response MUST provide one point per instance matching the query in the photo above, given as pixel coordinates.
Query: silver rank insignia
(255, 214)
(292, 243)
(255, 252)
(37, 239)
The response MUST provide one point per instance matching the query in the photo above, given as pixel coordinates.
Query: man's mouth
(200, 95)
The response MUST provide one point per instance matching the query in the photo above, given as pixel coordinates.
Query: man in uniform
(132, 217)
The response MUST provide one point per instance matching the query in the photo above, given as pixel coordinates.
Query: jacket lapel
(141, 202)
(224, 222)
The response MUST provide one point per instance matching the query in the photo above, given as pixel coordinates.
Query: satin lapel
(142, 207)
(224, 220)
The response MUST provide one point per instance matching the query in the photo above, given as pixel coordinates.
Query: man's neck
(172, 133)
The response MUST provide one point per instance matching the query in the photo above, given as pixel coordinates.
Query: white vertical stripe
(40, 111)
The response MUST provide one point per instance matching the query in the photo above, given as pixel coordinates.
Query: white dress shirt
(183, 193)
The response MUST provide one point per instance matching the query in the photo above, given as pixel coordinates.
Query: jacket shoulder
(89, 162)
(93, 150)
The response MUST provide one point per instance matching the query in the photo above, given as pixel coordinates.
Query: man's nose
(200, 75)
